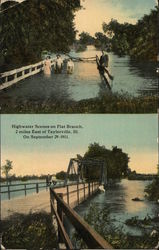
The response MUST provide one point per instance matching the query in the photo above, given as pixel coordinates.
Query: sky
(135, 134)
(95, 12)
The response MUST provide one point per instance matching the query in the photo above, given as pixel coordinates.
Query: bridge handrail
(11, 77)
(26, 186)
(22, 184)
(89, 235)
(15, 71)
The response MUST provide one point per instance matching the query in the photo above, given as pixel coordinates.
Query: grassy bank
(100, 220)
(108, 103)
(33, 231)
(152, 190)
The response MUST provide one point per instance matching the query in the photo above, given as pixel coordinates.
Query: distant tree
(139, 40)
(101, 40)
(7, 168)
(86, 38)
(61, 175)
(152, 190)
(116, 161)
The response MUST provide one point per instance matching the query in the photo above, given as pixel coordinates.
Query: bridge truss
(78, 167)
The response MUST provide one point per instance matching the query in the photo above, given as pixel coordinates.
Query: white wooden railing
(11, 77)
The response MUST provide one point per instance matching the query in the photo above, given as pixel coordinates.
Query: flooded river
(118, 201)
(129, 77)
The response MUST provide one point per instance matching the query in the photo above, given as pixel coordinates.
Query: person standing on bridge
(58, 64)
(47, 67)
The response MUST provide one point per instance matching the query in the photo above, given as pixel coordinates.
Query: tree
(7, 168)
(116, 161)
(86, 38)
(139, 40)
(61, 175)
(101, 41)
(48, 25)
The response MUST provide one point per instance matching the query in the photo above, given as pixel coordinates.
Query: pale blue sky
(135, 134)
(95, 12)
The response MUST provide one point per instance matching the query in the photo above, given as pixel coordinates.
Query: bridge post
(25, 189)
(89, 191)
(8, 192)
(37, 188)
(77, 193)
(60, 213)
(51, 199)
(67, 194)
(84, 191)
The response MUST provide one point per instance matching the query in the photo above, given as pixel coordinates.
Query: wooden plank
(91, 237)
(67, 194)
(10, 83)
(12, 72)
(77, 194)
(22, 184)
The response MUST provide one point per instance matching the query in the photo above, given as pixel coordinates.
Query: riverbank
(124, 223)
(152, 190)
(32, 231)
(102, 222)
(108, 103)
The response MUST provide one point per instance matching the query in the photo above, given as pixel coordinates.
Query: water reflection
(129, 76)
(118, 200)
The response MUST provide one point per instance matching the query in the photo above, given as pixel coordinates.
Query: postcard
(79, 124)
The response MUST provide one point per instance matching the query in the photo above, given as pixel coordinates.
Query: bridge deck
(41, 201)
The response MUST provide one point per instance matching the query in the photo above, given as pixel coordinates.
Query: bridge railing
(59, 208)
(11, 77)
(12, 188)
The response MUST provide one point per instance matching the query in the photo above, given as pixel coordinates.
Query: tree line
(116, 163)
(29, 28)
(139, 40)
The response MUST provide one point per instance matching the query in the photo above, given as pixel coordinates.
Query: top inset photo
(79, 56)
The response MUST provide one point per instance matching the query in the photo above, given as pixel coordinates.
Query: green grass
(108, 103)
(152, 190)
(116, 236)
(33, 231)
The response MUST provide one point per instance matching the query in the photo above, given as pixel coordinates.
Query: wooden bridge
(61, 207)
(59, 202)
(9, 78)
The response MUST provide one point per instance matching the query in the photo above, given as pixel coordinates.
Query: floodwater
(129, 77)
(30, 185)
(118, 200)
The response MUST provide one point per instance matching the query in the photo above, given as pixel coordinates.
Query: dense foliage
(108, 103)
(139, 40)
(99, 41)
(61, 175)
(116, 161)
(34, 26)
(102, 41)
(100, 220)
(153, 190)
(85, 38)
(33, 231)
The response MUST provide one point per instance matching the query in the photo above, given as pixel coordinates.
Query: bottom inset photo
(79, 182)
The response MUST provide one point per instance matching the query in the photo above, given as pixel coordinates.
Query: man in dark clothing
(102, 71)
(104, 59)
